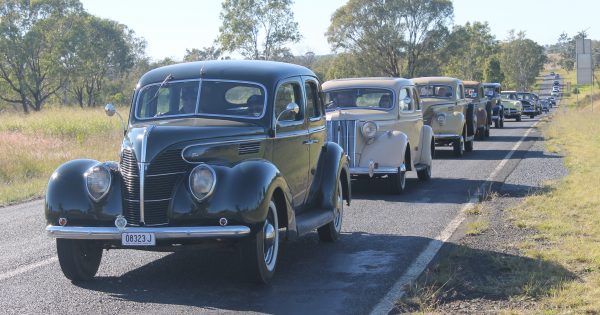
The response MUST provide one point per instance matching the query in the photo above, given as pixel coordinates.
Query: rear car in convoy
(379, 123)
(483, 107)
(446, 110)
(492, 92)
(215, 152)
(512, 105)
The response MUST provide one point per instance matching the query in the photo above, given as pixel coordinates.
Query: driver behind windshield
(344, 99)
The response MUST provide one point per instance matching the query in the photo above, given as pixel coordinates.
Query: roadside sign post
(585, 68)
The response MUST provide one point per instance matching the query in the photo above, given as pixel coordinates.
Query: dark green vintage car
(215, 152)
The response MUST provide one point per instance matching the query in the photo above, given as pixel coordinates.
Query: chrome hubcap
(339, 208)
(270, 239)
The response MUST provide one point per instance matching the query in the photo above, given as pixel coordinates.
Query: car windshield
(508, 96)
(471, 92)
(359, 97)
(489, 91)
(207, 97)
(525, 96)
(433, 90)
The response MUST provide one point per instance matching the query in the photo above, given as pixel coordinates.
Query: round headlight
(441, 119)
(369, 129)
(98, 180)
(202, 181)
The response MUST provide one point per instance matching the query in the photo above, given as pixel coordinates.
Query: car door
(409, 118)
(290, 149)
(315, 115)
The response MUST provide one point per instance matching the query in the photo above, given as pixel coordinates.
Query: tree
(493, 72)
(31, 49)
(99, 49)
(470, 47)
(521, 60)
(258, 29)
(422, 18)
(391, 36)
(206, 53)
(371, 30)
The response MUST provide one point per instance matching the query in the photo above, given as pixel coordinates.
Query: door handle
(311, 141)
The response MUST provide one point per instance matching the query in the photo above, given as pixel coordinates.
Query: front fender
(67, 197)
(453, 125)
(387, 150)
(242, 194)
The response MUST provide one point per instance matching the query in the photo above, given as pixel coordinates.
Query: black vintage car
(214, 152)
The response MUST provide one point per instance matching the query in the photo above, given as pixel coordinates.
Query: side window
(288, 93)
(461, 91)
(404, 106)
(313, 104)
(416, 99)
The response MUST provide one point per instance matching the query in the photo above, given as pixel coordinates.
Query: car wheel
(497, 123)
(260, 251)
(331, 231)
(519, 118)
(487, 131)
(531, 116)
(398, 181)
(459, 147)
(502, 122)
(424, 174)
(78, 259)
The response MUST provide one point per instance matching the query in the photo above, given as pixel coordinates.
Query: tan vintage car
(483, 107)
(448, 113)
(378, 122)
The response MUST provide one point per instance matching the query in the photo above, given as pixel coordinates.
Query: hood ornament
(121, 223)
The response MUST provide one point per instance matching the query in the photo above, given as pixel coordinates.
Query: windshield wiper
(167, 79)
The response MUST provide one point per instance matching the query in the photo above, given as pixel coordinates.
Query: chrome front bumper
(446, 137)
(367, 171)
(161, 233)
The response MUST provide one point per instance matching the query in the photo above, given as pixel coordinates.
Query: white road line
(386, 304)
(27, 268)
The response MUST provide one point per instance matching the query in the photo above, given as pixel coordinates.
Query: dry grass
(32, 146)
(558, 268)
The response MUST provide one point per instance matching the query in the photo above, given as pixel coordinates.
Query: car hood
(360, 114)
(148, 140)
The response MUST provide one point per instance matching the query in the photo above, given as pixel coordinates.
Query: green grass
(33, 146)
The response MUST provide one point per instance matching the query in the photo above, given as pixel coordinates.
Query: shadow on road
(348, 277)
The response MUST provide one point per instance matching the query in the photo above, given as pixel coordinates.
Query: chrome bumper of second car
(366, 170)
(161, 233)
(446, 137)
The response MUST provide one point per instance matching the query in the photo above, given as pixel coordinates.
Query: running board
(312, 219)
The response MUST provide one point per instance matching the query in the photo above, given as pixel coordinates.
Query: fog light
(62, 221)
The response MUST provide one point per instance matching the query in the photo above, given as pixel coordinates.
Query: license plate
(138, 239)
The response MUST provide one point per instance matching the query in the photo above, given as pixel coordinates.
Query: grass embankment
(552, 265)
(33, 146)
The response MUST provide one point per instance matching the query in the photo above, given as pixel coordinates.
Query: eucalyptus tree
(470, 46)
(392, 36)
(521, 60)
(258, 29)
(31, 49)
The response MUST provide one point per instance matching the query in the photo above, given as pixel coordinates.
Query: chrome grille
(343, 132)
(162, 175)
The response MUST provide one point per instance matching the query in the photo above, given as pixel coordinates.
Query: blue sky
(171, 26)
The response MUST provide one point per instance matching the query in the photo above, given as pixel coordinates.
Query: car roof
(471, 83)
(264, 72)
(382, 82)
(431, 80)
(491, 84)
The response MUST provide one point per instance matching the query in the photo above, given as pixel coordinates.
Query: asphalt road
(382, 236)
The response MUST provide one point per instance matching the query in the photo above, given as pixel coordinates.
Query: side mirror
(110, 111)
(407, 100)
(290, 108)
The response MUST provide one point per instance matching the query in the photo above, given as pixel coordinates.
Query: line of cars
(246, 153)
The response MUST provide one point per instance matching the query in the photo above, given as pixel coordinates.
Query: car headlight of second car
(369, 129)
(202, 181)
(98, 179)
